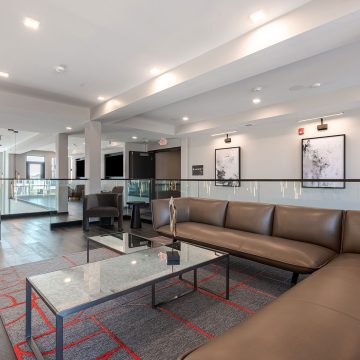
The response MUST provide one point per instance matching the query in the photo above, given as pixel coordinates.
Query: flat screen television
(114, 165)
(80, 168)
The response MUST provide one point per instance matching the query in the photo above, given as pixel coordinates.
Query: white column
(93, 157)
(62, 172)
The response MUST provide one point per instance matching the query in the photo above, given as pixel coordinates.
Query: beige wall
(168, 165)
(21, 163)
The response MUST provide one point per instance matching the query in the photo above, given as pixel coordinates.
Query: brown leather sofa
(294, 238)
(318, 319)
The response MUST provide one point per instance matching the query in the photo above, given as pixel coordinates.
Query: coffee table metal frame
(60, 315)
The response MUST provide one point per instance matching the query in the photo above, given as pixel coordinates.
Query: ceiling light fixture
(31, 23)
(257, 16)
(315, 85)
(68, 128)
(256, 101)
(185, 118)
(4, 75)
(225, 133)
(322, 117)
(134, 137)
(256, 89)
(155, 71)
(60, 68)
(101, 98)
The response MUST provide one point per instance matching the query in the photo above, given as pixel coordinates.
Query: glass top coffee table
(69, 291)
(121, 242)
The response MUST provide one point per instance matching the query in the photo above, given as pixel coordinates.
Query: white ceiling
(284, 84)
(110, 46)
(211, 47)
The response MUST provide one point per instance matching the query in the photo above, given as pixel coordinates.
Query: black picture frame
(306, 181)
(222, 177)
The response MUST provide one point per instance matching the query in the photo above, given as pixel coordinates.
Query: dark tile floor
(30, 239)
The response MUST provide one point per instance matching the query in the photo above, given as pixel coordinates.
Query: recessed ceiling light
(256, 101)
(185, 118)
(101, 98)
(315, 85)
(4, 74)
(155, 71)
(60, 68)
(68, 128)
(257, 16)
(134, 137)
(31, 23)
(225, 133)
(322, 117)
(256, 89)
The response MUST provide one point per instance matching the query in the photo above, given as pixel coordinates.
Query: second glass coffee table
(69, 291)
(121, 242)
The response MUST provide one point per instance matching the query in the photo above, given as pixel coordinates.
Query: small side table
(135, 222)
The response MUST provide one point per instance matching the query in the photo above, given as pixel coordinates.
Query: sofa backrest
(249, 216)
(160, 211)
(351, 232)
(313, 225)
(207, 211)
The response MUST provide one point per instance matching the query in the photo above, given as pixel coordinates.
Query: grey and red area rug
(128, 328)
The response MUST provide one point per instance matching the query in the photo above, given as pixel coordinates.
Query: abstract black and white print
(227, 166)
(323, 158)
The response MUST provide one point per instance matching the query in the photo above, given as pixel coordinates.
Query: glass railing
(62, 199)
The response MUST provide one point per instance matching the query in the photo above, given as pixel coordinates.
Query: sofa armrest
(160, 213)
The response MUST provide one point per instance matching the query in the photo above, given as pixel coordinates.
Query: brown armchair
(104, 205)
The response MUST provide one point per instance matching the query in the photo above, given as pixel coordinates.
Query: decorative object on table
(323, 158)
(173, 257)
(198, 170)
(227, 166)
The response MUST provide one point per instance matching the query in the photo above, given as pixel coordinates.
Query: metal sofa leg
(294, 278)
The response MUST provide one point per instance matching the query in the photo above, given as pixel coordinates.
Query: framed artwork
(323, 158)
(227, 166)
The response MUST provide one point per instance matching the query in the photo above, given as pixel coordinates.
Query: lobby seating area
(179, 180)
(300, 323)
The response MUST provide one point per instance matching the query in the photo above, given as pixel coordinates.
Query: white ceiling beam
(316, 27)
(308, 107)
(28, 113)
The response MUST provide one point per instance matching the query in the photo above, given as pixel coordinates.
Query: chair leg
(86, 223)
(294, 278)
(120, 222)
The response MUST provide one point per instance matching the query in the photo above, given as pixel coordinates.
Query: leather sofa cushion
(208, 211)
(317, 319)
(351, 236)
(287, 254)
(317, 226)
(287, 330)
(336, 286)
(160, 211)
(250, 216)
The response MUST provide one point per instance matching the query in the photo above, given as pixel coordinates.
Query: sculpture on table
(172, 213)
(173, 257)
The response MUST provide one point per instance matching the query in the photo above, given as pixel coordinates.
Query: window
(35, 167)
(38, 159)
